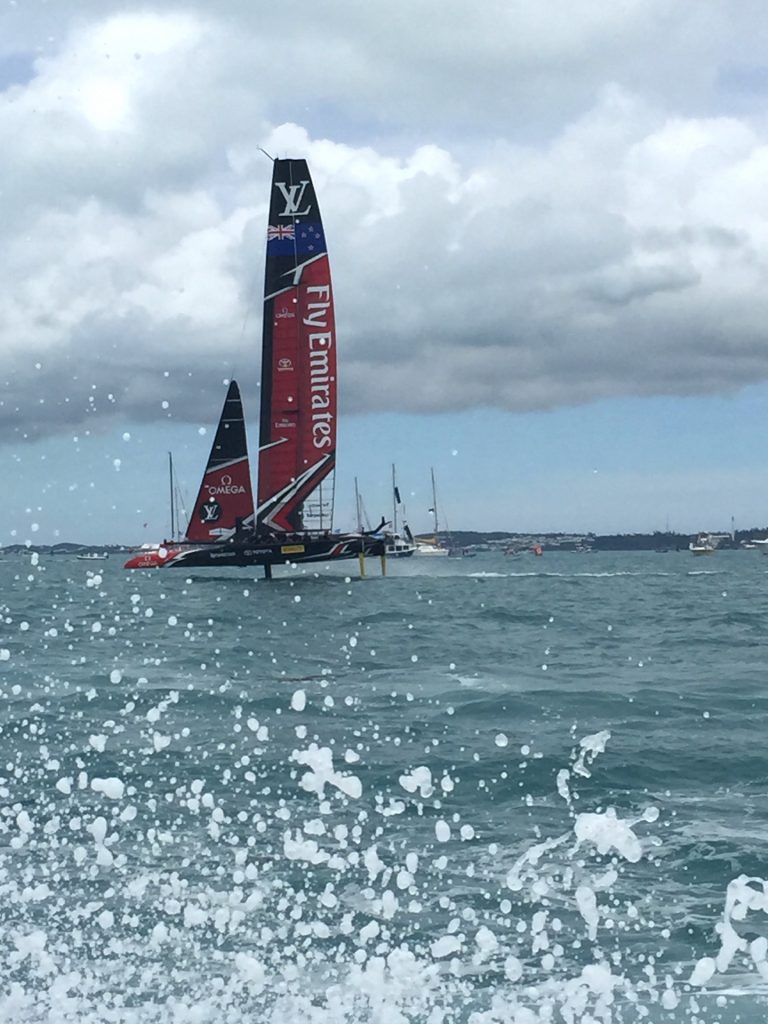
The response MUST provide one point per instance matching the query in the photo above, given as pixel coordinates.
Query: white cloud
(525, 209)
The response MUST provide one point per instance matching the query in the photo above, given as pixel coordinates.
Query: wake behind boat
(293, 518)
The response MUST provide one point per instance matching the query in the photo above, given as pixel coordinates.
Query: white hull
(430, 550)
(402, 550)
(703, 545)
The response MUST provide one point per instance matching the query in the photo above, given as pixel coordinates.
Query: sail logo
(225, 487)
(284, 364)
(293, 196)
(285, 314)
(320, 380)
(210, 511)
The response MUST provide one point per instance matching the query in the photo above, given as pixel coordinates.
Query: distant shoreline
(659, 541)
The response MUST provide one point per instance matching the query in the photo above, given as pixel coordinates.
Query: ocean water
(487, 790)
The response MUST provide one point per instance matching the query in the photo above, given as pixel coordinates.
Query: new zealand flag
(310, 240)
(301, 238)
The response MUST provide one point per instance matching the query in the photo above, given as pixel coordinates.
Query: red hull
(153, 558)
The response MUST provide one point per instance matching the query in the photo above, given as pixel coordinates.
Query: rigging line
(245, 319)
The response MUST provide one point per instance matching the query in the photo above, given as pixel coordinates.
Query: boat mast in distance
(397, 547)
(425, 546)
(173, 501)
(395, 501)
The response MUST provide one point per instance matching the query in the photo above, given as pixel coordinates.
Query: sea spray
(202, 861)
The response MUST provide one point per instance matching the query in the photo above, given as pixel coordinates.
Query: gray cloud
(527, 209)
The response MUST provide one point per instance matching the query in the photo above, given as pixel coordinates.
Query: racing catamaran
(292, 520)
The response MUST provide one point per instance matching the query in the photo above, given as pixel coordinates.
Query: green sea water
(487, 790)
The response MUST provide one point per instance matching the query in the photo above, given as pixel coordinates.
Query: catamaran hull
(306, 549)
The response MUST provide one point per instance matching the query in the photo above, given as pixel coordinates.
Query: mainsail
(225, 501)
(297, 433)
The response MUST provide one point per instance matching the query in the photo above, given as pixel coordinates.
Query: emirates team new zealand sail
(293, 518)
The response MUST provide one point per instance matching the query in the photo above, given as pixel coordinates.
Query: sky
(547, 223)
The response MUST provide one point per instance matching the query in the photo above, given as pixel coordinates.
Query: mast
(358, 513)
(394, 501)
(173, 504)
(434, 501)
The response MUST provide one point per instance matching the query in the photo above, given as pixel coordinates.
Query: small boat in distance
(703, 544)
(431, 546)
(397, 546)
(424, 546)
(93, 556)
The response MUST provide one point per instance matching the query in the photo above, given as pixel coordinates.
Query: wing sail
(297, 430)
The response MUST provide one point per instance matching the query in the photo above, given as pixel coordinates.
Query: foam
(322, 773)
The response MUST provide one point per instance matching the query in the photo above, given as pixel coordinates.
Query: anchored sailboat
(177, 500)
(431, 545)
(293, 517)
(398, 546)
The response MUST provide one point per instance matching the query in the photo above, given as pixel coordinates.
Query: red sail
(225, 501)
(297, 437)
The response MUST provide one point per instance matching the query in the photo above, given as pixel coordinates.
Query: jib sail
(225, 501)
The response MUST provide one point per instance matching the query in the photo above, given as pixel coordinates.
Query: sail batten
(297, 435)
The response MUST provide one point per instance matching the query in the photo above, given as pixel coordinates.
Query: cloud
(542, 216)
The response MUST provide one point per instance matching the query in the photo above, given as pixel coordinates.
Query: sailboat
(431, 545)
(291, 520)
(177, 501)
(397, 546)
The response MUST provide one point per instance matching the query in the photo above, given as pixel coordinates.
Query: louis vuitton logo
(293, 196)
(210, 511)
